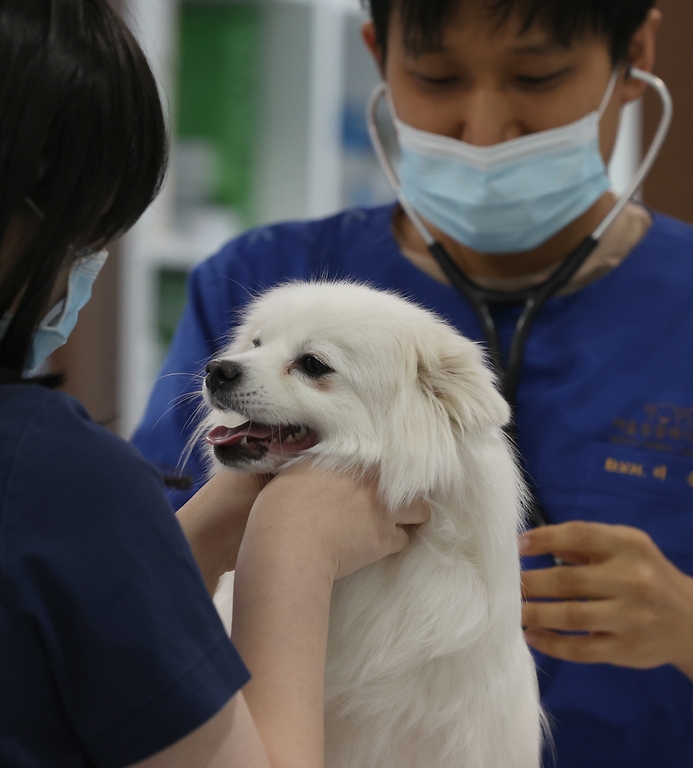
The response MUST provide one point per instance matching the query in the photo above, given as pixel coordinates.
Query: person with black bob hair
(111, 651)
(506, 114)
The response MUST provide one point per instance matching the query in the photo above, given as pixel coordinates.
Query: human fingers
(571, 616)
(568, 582)
(395, 528)
(583, 649)
(576, 541)
(373, 531)
(648, 615)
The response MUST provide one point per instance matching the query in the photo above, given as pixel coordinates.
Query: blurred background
(266, 102)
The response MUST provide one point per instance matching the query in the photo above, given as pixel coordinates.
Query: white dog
(427, 666)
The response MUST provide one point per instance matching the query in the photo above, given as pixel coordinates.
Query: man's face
(487, 84)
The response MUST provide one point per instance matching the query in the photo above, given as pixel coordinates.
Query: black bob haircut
(83, 148)
(423, 20)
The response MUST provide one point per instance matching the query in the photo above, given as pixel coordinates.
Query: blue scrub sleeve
(100, 573)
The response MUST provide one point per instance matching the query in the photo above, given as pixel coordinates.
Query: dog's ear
(455, 373)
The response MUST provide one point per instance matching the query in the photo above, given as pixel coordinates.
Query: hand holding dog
(619, 587)
(334, 517)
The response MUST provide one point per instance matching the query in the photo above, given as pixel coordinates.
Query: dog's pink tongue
(233, 435)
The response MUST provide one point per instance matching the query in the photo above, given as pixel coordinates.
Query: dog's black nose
(221, 372)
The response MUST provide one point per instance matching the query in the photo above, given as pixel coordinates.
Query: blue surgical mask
(509, 197)
(55, 328)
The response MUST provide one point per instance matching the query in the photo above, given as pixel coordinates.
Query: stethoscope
(532, 299)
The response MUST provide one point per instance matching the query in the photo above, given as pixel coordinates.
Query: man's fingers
(571, 616)
(567, 582)
(584, 649)
(576, 540)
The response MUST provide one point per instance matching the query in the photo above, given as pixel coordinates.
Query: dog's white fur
(427, 666)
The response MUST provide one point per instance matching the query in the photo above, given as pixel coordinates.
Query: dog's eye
(313, 367)
(257, 343)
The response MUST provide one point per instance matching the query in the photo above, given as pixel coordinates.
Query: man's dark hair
(83, 146)
(423, 20)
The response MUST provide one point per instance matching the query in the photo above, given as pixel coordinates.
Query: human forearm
(214, 521)
(281, 611)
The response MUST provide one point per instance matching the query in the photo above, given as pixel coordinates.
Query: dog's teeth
(300, 434)
(290, 439)
(244, 441)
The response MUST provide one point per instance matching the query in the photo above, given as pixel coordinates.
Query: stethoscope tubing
(509, 374)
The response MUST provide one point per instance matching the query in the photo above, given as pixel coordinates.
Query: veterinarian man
(604, 399)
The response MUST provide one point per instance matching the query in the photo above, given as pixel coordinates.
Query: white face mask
(509, 197)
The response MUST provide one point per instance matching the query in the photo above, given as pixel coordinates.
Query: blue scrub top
(605, 422)
(110, 647)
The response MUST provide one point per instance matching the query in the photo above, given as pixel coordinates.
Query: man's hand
(617, 586)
